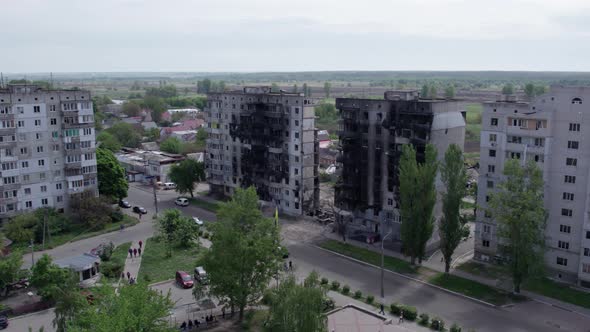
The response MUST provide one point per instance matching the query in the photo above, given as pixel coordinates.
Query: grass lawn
(254, 320)
(121, 251)
(562, 292)
(485, 270)
(473, 289)
(365, 255)
(155, 266)
(473, 128)
(203, 204)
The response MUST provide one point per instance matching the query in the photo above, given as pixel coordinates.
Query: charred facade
(266, 140)
(372, 133)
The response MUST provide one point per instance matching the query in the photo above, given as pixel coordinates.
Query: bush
(147, 278)
(328, 304)
(324, 281)
(370, 299)
(205, 235)
(395, 309)
(335, 285)
(345, 289)
(455, 328)
(117, 215)
(112, 268)
(105, 251)
(200, 232)
(410, 313)
(437, 324)
(358, 294)
(424, 319)
(267, 297)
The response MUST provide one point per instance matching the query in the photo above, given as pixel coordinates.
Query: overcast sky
(294, 35)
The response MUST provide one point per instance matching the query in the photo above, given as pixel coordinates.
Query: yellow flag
(277, 215)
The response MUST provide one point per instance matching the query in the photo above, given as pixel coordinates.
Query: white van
(201, 275)
(169, 186)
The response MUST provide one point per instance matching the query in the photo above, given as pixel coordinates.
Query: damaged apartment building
(267, 140)
(372, 133)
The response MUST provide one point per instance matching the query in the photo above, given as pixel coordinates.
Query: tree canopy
(111, 175)
(185, 174)
(177, 229)
(130, 108)
(46, 277)
(108, 141)
(521, 217)
(126, 134)
(171, 145)
(244, 252)
(9, 268)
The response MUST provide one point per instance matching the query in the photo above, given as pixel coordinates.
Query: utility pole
(32, 254)
(382, 259)
(155, 195)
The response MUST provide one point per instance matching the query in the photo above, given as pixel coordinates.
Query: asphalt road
(528, 316)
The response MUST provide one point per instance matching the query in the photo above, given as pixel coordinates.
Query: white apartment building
(266, 140)
(47, 148)
(554, 131)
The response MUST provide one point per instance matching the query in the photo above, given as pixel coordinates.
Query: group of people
(288, 267)
(206, 320)
(134, 252)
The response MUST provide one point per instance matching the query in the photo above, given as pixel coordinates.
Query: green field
(473, 289)
(155, 266)
(558, 291)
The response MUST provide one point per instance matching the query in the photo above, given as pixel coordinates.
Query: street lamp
(382, 259)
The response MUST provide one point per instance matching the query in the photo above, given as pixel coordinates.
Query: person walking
(401, 317)
(139, 251)
(140, 243)
(290, 265)
(130, 252)
(382, 311)
(128, 275)
(134, 252)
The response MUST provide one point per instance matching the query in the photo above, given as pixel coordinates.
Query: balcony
(76, 165)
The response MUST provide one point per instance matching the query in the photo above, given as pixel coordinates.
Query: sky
(300, 35)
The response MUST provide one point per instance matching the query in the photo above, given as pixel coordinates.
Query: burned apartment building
(267, 140)
(372, 133)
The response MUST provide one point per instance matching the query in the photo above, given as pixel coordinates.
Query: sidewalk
(502, 284)
(132, 264)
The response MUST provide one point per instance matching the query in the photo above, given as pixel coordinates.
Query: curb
(31, 314)
(160, 283)
(410, 278)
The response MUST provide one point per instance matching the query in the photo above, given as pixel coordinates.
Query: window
(568, 196)
(569, 179)
(539, 141)
(490, 184)
(296, 135)
(515, 139)
(56, 147)
(565, 229)
(389, 201)
(43, 189)
(296, 147)
(296, 170)
(486, 228)
(29, 204)
(577, 101)
(587, 234)
(586, 251)
(571, 162)
(487, 198)
(519, 123)
(36, 109)
(60, 199)
(37, 123)
(87, 131)
(10, 180)
(40, 149)
(586, 268)
(44, 201)
(20, 109)
(566, 212)
(24, 164)
(26, 178)
(493, 137)
(574, 127)
(485, 243)
(563, 245)
(491, 168)
(52, 108)
(572, 145)
(38, 136)
(514, 155)
(41, 162)
(492, 153)
(561, 261)
(27, 191)
(494, 121)
(58, 186)
(55, 134)
(20, 123)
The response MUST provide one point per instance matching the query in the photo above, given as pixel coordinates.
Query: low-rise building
(85, 265)
(146, 166)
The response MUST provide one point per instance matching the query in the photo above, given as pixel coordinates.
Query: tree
(529, 90)
(540, 89)
(69, 301)
(519, 212)
(9, 269)
(153, 134)
(452, 227)
(133, 308)
(298, 308)
(418, 196)
(424, 93)
(274, 87)
(156, 105)
(21, 228)
(176, 229)
(46, 277)
(108, 141)
(111, 175)
(92, 212)
(450, 91)
(125, 134)
(508, 89)
(131, 109)
(243, 256)
(305, 90)
(432, 92)
(295, 88)
(185, 174)
(171, 145)
(327, 87)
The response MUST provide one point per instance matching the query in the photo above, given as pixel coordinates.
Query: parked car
(139, 209)
(198, 221)
(169, 186)
(3, 322)
(201, 275)
(181, 201)
(124, 204)
(184, 279)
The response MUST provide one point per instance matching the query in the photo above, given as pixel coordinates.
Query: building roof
(150, 146)
(324, 153)
(78, 263)
(185, 125)
(352, 318)
(323, 135)
(185, 110)
(149, 124)
(139, 157)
